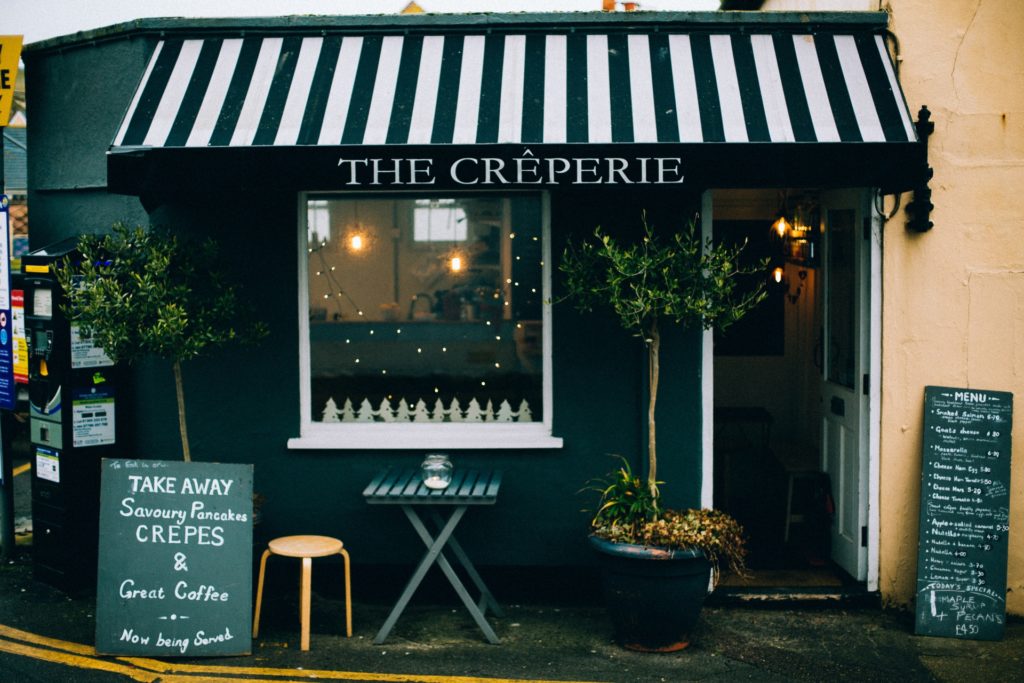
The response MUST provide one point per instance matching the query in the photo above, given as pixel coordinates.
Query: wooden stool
(306, 547)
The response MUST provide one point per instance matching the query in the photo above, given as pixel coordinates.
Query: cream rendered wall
(953, 298)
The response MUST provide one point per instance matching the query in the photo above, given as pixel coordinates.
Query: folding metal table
(468, 487)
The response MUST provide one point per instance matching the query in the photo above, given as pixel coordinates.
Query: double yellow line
(17, 642)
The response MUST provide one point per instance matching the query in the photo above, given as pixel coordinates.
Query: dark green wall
(75, 99)
(243, 403)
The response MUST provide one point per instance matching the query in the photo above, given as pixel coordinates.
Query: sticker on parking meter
(92, 416)
(47, 464)
(86, 354)
(175, 559)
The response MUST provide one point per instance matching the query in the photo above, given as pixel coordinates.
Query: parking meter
(72, 390)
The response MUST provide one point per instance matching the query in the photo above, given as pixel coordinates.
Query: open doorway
(792, 415)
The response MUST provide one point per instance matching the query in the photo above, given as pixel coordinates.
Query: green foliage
(139, 293)
(688, 281)
(714, 532)
(625, 501)
(683, 279)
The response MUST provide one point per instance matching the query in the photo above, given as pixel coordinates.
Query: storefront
(395, 193)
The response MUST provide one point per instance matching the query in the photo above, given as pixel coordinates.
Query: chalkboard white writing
(965, 508)
(175, 562)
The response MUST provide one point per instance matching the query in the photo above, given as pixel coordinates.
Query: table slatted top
(404, 487)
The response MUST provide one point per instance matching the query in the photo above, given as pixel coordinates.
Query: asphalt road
(47, 636)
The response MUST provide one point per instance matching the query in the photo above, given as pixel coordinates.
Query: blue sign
(8, 390)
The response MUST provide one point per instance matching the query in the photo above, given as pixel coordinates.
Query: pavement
(47, 636)
(554, 629)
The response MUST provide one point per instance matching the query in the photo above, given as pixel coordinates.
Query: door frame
(871, 426)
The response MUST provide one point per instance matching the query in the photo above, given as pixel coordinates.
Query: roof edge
(390, 23)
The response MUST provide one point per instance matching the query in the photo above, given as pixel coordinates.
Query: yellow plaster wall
(953, 298)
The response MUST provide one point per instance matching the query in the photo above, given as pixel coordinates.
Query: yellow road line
(36, 639)
(78, 661)
(22, 469)
(321, 674)
(146, 670)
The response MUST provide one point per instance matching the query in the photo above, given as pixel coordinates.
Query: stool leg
(348, 596)
(259, 594)
(304, 600)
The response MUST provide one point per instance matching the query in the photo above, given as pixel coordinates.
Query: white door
(844, 391)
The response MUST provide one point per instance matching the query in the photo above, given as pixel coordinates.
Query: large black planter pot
(654, 595)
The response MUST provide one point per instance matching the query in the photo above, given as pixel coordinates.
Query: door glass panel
(840, 322)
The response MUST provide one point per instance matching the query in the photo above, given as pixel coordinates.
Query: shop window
(427, 325)
(439, 220)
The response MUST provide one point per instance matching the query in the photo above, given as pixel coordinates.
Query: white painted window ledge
(377, 436)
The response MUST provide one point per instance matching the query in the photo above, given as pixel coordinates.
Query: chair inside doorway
(777, 491)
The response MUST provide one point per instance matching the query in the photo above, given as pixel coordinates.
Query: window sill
(377, 436)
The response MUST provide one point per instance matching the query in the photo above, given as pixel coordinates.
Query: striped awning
(557, 88)
(732, 88)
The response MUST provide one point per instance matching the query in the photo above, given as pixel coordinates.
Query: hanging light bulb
(455, 264)
(355, 242)
(781, 226)
(777, 275)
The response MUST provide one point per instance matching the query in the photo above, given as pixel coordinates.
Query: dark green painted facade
(243, 403)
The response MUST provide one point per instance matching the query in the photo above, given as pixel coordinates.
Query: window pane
(439, 220)
(425, 309)
(840, 311)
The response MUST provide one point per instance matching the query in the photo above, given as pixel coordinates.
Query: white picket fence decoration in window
(419, 412)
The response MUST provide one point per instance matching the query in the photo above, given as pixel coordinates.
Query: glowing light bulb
(777, 274)
(781, 226)
(456, 264)
(355, 243)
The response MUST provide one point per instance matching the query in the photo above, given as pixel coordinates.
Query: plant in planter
(140, 292)
(683, 280)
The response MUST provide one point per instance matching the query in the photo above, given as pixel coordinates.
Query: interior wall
(787, 385)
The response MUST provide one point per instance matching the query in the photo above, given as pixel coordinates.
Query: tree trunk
(182, 427)
(653, 346)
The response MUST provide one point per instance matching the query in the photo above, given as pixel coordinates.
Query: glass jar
(436, 471)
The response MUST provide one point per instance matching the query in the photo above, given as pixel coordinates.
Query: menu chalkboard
(965, 512)
(175, 559)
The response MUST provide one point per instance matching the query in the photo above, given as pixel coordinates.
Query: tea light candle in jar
(436, 471)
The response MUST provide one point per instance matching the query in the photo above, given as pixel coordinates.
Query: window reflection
(425, 310)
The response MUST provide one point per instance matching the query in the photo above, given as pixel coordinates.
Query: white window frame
(416, 436)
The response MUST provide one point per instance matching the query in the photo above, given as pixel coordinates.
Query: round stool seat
(305, 546)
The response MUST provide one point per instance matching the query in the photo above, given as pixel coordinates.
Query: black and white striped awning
(731, 88)
(557, 88)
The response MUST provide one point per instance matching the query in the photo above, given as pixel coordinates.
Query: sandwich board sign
(175, 559)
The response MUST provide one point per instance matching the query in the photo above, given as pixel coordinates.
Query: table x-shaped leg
(487, 600)
(435, 546)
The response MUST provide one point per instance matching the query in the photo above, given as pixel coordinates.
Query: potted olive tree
(141, 292)
(657, 562)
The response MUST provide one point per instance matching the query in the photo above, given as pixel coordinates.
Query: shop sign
(10, 53)
(175, 559)
(523, 170)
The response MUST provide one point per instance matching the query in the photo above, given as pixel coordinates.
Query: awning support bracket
(920, 207)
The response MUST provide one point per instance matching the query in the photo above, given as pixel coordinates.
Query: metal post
(6, 488)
